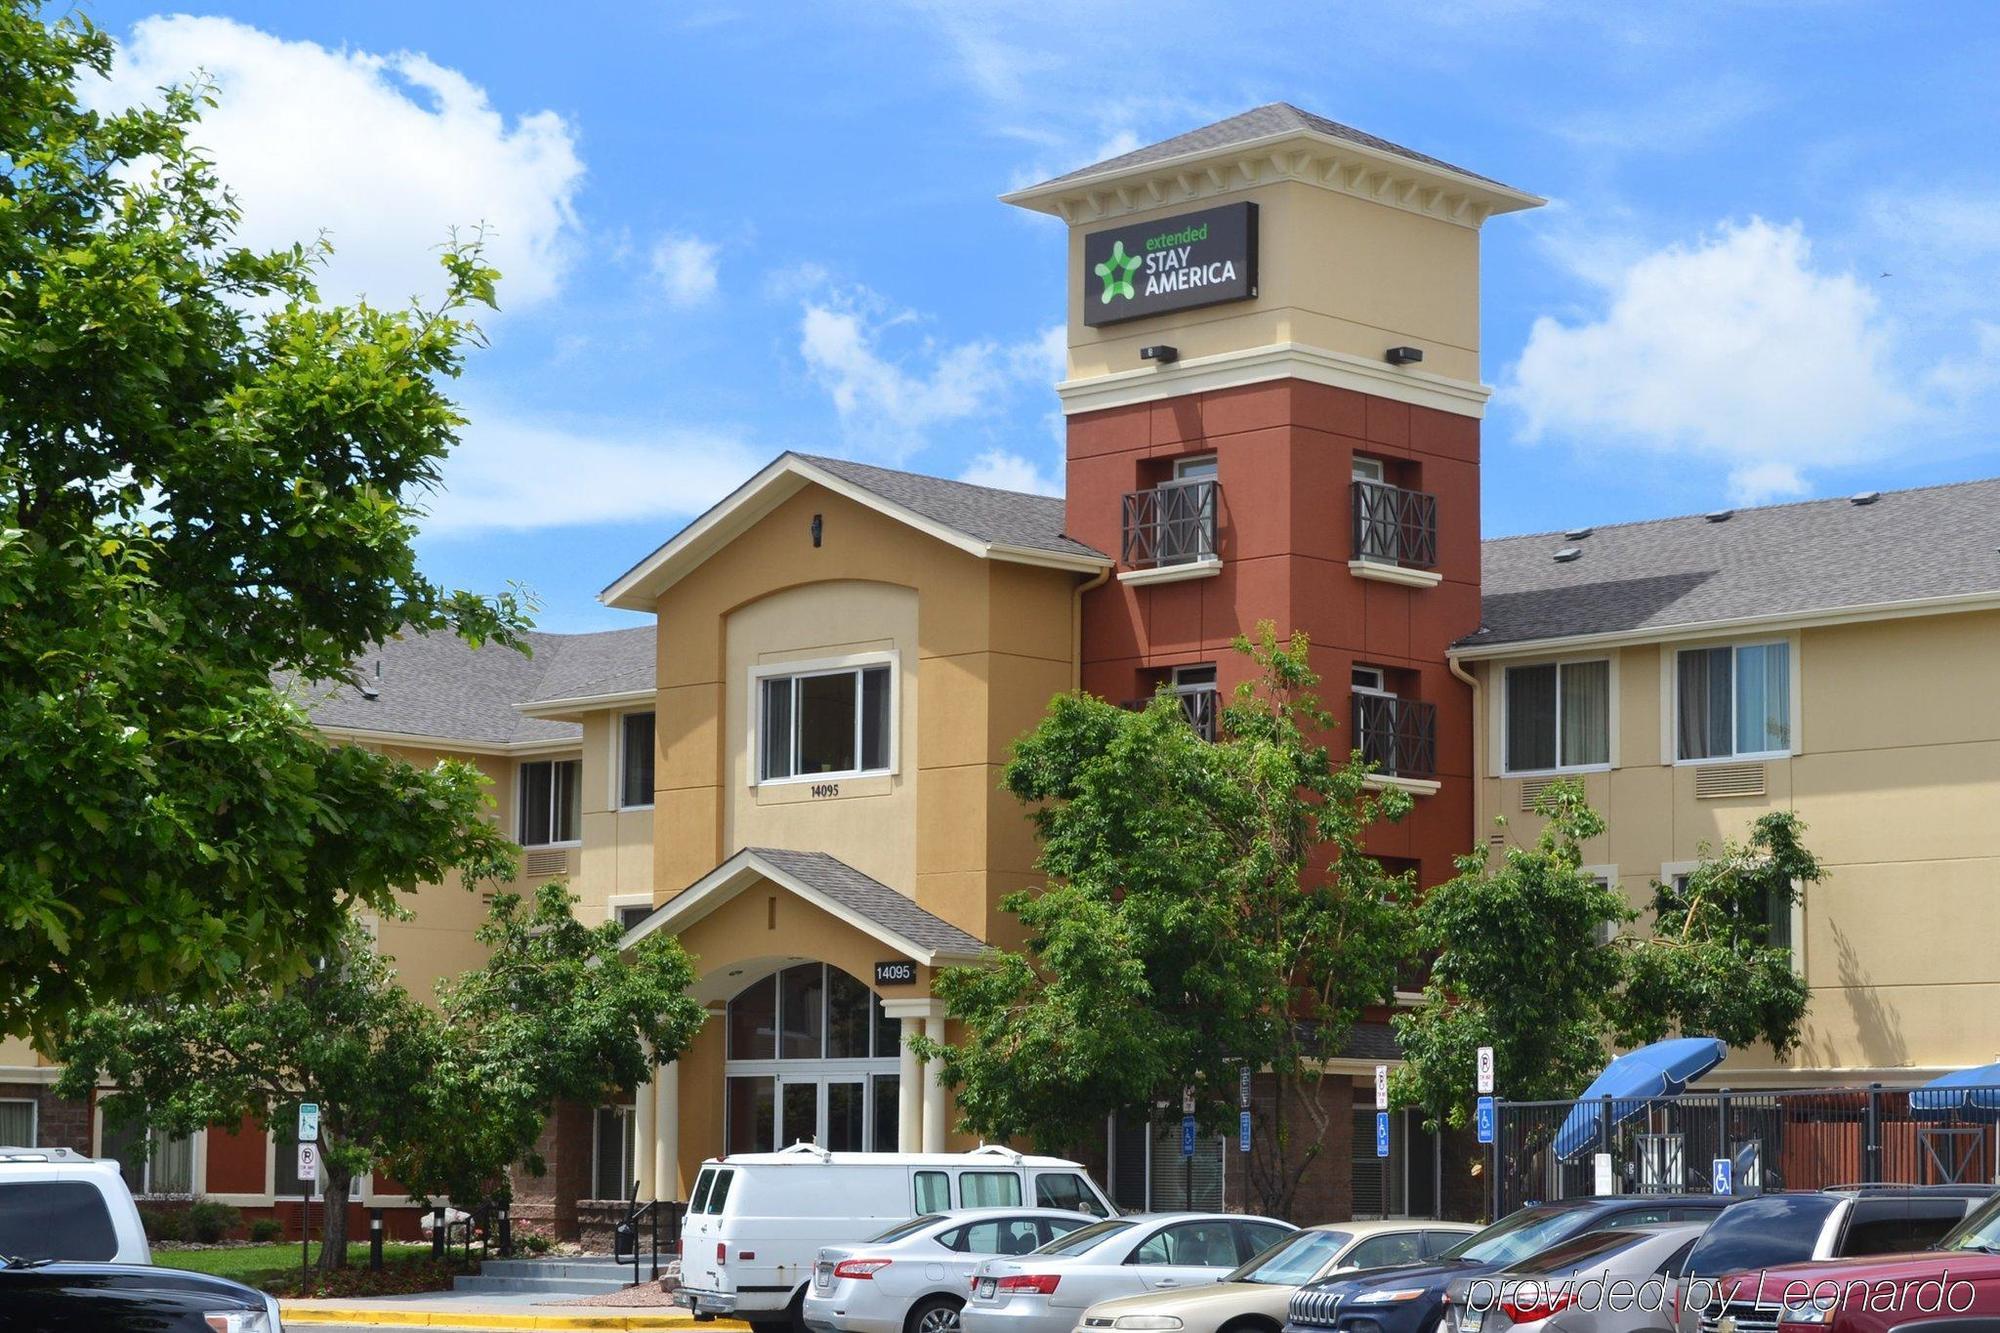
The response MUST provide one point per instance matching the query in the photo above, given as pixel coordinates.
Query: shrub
(267, 1230)
(164, 1224)
(534, 1242)
(209, 1222)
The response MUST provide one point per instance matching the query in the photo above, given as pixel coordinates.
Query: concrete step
(565, 1266)
(574, 1286)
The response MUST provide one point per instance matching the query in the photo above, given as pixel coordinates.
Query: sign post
(308, 1137)
(1243, 1109)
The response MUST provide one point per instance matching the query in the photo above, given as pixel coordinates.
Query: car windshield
(1084, 1238)
(1295, 1260)
(1520, 1234)
(1979, 1231)
(1759, 1233)
(909, 1228)
(1578, 1251)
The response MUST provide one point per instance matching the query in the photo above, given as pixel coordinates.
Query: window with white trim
(551, 804)
(613, 1159)
(17, 1124)
(1557, 715)
(1733, 702)
(825, 724)
(152, 1161)
(635, 760)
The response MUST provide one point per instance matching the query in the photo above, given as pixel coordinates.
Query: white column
(935, 1096)
(910, 1092)
(643, 1135)
(667, 1131)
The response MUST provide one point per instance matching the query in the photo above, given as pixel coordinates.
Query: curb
(321, 1314)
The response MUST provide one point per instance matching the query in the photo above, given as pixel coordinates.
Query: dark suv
(1410, 1298)
(38, 1297)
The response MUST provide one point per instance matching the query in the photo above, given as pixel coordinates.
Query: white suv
(59, 1204)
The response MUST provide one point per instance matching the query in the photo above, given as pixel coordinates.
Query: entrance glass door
(846, 1115)
(798, 1112)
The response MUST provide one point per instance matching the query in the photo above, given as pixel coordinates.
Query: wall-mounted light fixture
(1160, 352)
(1403, 356)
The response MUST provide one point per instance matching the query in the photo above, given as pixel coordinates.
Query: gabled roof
(438, 688)
(980, 520)
(1933, 547)
(829, 884)
(1261, 127)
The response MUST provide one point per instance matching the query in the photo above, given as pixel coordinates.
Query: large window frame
(1504, 746)
(157, 1145)
(574, 767)
(857, 666)
(34, 1123)
(1672, 710)
(872, 1075)
(625, 772)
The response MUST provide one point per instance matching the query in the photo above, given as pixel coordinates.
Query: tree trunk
(333, 1198)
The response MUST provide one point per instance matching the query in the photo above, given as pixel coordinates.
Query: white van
(59, 1204)
(756, 1220)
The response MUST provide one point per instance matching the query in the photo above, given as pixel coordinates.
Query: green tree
(441, 1100)
(1207, 905)
(206, 478)
(1708, 965)
(1520, 965)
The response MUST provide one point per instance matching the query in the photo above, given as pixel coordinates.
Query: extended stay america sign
(1177, 263)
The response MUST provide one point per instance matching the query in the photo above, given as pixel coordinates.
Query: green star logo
(1117, 273)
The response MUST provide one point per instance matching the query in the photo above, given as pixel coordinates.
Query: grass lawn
(251, 1263)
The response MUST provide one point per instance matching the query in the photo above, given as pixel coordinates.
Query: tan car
(1253, 1298)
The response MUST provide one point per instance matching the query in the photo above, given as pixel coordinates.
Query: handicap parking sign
(1381, 1133)
(1483, 1117)
(1243, 1133)
(1187, 1136)
(1722, 1176)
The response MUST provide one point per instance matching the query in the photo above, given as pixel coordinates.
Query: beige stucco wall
(1334, 271)
(983, 646)
(1896, 773)
(615, 862)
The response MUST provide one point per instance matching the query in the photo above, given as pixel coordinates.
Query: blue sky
(1770, 267)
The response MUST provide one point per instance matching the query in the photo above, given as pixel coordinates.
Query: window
(1557, 716)
(55, 1219)
(1200, 700)
(612, 1167)
(1066, 1189)
(824, 724)
(1778, 906)
(631, 914)
(1207, 1244)
(635, 760)
(933, 1192)
(17, 1126)
(1732, 702)
(549, 801)
(1393, 1247)
(989, 1189)
(1370, 680)
(1001, 1235)
(152, 1161)
(1369, 469)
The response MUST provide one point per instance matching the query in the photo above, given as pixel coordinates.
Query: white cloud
(1737, 349)
(685, 266)
(384, 153)
(513, 472)
(1010, 472)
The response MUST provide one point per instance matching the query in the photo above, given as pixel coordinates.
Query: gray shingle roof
(1818, 555)
(1009, 518)
(873, 899)
(1258, 123)
(438, 685)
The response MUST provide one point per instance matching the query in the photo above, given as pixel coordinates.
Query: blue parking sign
(1722, 1176)
(1483, 1116)
(1381, 1133)
(1243, 1132)
(1187, 1136)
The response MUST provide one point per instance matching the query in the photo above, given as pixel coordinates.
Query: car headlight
(239, 1321)
(1392, 1296)
(1809, 1312)
(1147, 1321)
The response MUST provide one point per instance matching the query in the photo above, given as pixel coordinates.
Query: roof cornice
(459, 745)
(1953, 604)
(1259, 365)
(1295, 154)
(558, 709)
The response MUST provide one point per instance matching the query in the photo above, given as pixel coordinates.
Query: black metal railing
(1397, 736)
(647, 1218)
(1171, 524)
(1201, 707)
(1395, 526)
(1793, 1139)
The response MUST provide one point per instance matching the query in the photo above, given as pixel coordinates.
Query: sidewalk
(488, 1310)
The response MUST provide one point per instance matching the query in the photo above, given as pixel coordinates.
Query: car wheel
(938, 1314)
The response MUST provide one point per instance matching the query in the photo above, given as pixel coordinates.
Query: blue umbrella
(1968, 1094)
(1634, 1080)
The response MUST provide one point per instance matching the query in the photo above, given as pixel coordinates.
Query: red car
(1958, 1280)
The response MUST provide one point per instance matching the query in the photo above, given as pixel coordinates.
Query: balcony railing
(1201, 707)
(1394, 526)
(1397, 736)
(1171, 524)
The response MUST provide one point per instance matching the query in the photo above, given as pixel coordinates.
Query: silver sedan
(1048, 1291)
(914, 1276)
(1604, 1282)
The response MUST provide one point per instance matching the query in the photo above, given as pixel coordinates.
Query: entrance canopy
(1633, 1080)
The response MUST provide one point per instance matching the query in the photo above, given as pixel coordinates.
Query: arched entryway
(810, 1055)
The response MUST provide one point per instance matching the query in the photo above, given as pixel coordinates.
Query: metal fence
(1794, 1139)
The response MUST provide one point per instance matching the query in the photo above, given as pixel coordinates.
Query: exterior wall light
(1403, 356)
(1160, 352)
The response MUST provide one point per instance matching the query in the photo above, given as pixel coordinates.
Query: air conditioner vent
(1718, 780)
(1531, 791)
(545, 862)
